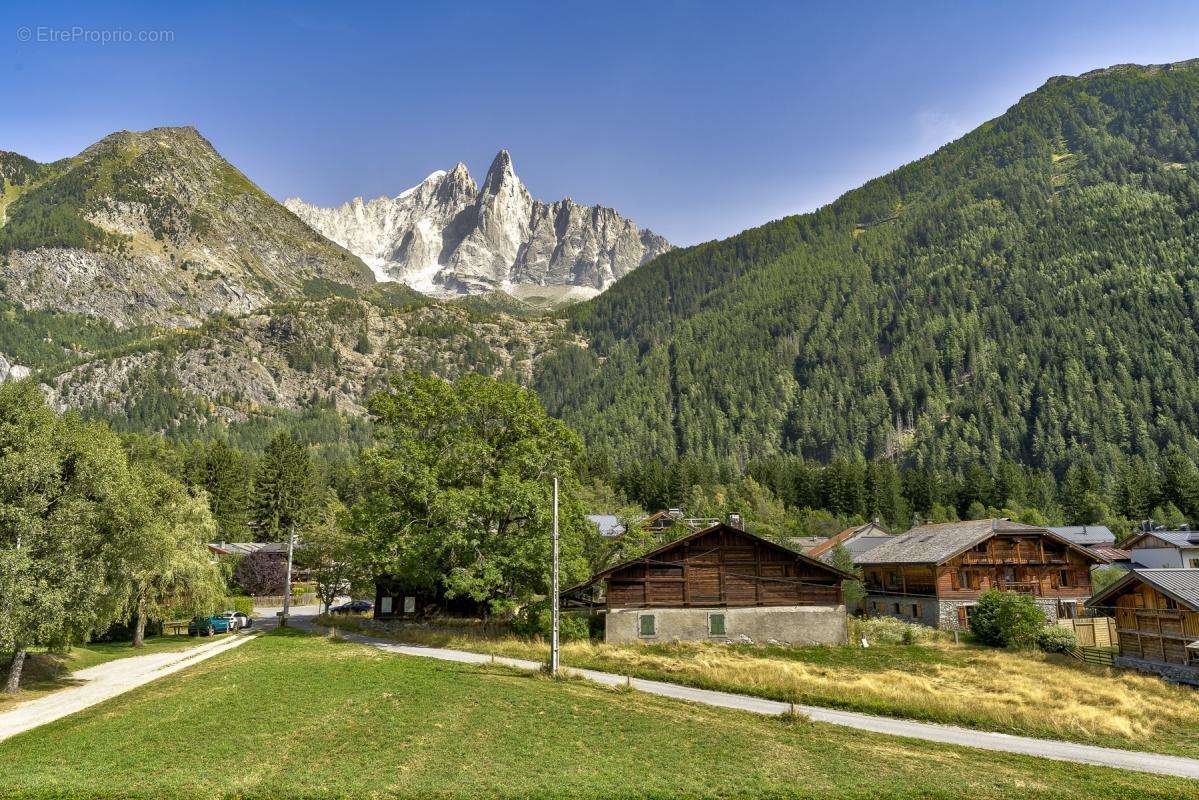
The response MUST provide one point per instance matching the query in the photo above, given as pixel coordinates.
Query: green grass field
(48, 672)
(1025, 693)
(297, 716)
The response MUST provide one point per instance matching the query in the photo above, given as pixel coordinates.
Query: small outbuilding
(398, 599)
(1157, 619)
(718, 584)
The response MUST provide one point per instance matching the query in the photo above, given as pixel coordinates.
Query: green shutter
(716, 625)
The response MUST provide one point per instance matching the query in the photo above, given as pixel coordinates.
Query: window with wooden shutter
(963, 618)
(645, 625)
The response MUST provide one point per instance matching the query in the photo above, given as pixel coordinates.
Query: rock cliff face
(445, 236)
(155, 227)
(10, 371)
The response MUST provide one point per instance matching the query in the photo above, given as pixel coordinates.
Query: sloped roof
(1176, 538)
(849, 533)
(245, 548)
(1086, 534)
(1180, 584)
(937, 543)
(695, 535)
(1111, 553)
(608, 524)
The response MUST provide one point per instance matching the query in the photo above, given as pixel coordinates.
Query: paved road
(946, 734)
(109, 680)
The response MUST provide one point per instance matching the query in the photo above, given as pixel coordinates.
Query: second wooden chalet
(1157, 617)
(719, 584)
(934, 574)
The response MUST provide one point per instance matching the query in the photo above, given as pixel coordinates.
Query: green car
(207, 626)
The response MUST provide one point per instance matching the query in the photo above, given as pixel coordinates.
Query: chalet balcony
(1021, 587)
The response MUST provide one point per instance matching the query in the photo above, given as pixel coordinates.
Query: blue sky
(696, 119)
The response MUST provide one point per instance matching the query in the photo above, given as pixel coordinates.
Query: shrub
(1056, 639)
(240, 603)
(261, 574)
(1006, 619)
(536, 619)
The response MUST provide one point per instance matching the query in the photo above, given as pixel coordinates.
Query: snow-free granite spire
(447, 236)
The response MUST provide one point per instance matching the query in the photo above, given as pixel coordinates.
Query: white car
(235, 619)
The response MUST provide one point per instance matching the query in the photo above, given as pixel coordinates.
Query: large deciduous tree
(457, 490)
(169, 569)
(65, 528)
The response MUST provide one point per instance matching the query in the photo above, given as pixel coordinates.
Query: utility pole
(554, 588)
(291, 543)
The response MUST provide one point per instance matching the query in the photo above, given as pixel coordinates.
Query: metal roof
(1181, 584)
(245, 548)
(848, 535)
(934, 544)
(608, 524)
(1176, 538)
(1086, 534)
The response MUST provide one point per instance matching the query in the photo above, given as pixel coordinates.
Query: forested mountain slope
(1029, 290)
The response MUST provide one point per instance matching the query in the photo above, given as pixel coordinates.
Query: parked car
(231, 619)
(243, 620)
(353, 607)
(207, 626)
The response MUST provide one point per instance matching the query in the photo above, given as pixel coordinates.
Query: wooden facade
(1155, 627)
(397, 599)
(721, 566)
(1029, 563)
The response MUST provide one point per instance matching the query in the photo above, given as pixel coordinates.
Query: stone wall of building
(941, 613)
(783, 624)
(1171, 672)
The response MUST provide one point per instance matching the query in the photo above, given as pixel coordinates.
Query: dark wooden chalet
(397, 599)
(934, 574)
(1157, 621)
(720, 567)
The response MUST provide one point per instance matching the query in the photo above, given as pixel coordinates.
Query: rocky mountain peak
(462, 238)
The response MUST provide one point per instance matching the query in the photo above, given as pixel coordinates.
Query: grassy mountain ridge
(154, 227)
(1027, 290)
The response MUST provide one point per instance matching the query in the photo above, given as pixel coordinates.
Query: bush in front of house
(537, 619)
(889, 630)
(1056, 639)
(261, 574)
(1006, 619)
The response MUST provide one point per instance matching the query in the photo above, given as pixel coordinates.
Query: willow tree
(169, 570)
(64, 526)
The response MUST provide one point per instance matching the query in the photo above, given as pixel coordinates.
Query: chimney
(735, 521)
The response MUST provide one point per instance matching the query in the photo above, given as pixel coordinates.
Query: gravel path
(946, 734)
(109, 680)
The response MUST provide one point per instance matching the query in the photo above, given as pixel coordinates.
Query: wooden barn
(934, 574)
(1157, 621)
(720, 583)
(397, 599)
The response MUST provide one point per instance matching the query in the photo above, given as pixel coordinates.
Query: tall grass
(1028, 693)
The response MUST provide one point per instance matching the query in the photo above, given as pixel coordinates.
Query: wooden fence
(276, 601)
(1093, 631)
(1098, 656)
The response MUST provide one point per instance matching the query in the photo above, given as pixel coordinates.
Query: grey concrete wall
(783, 624)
